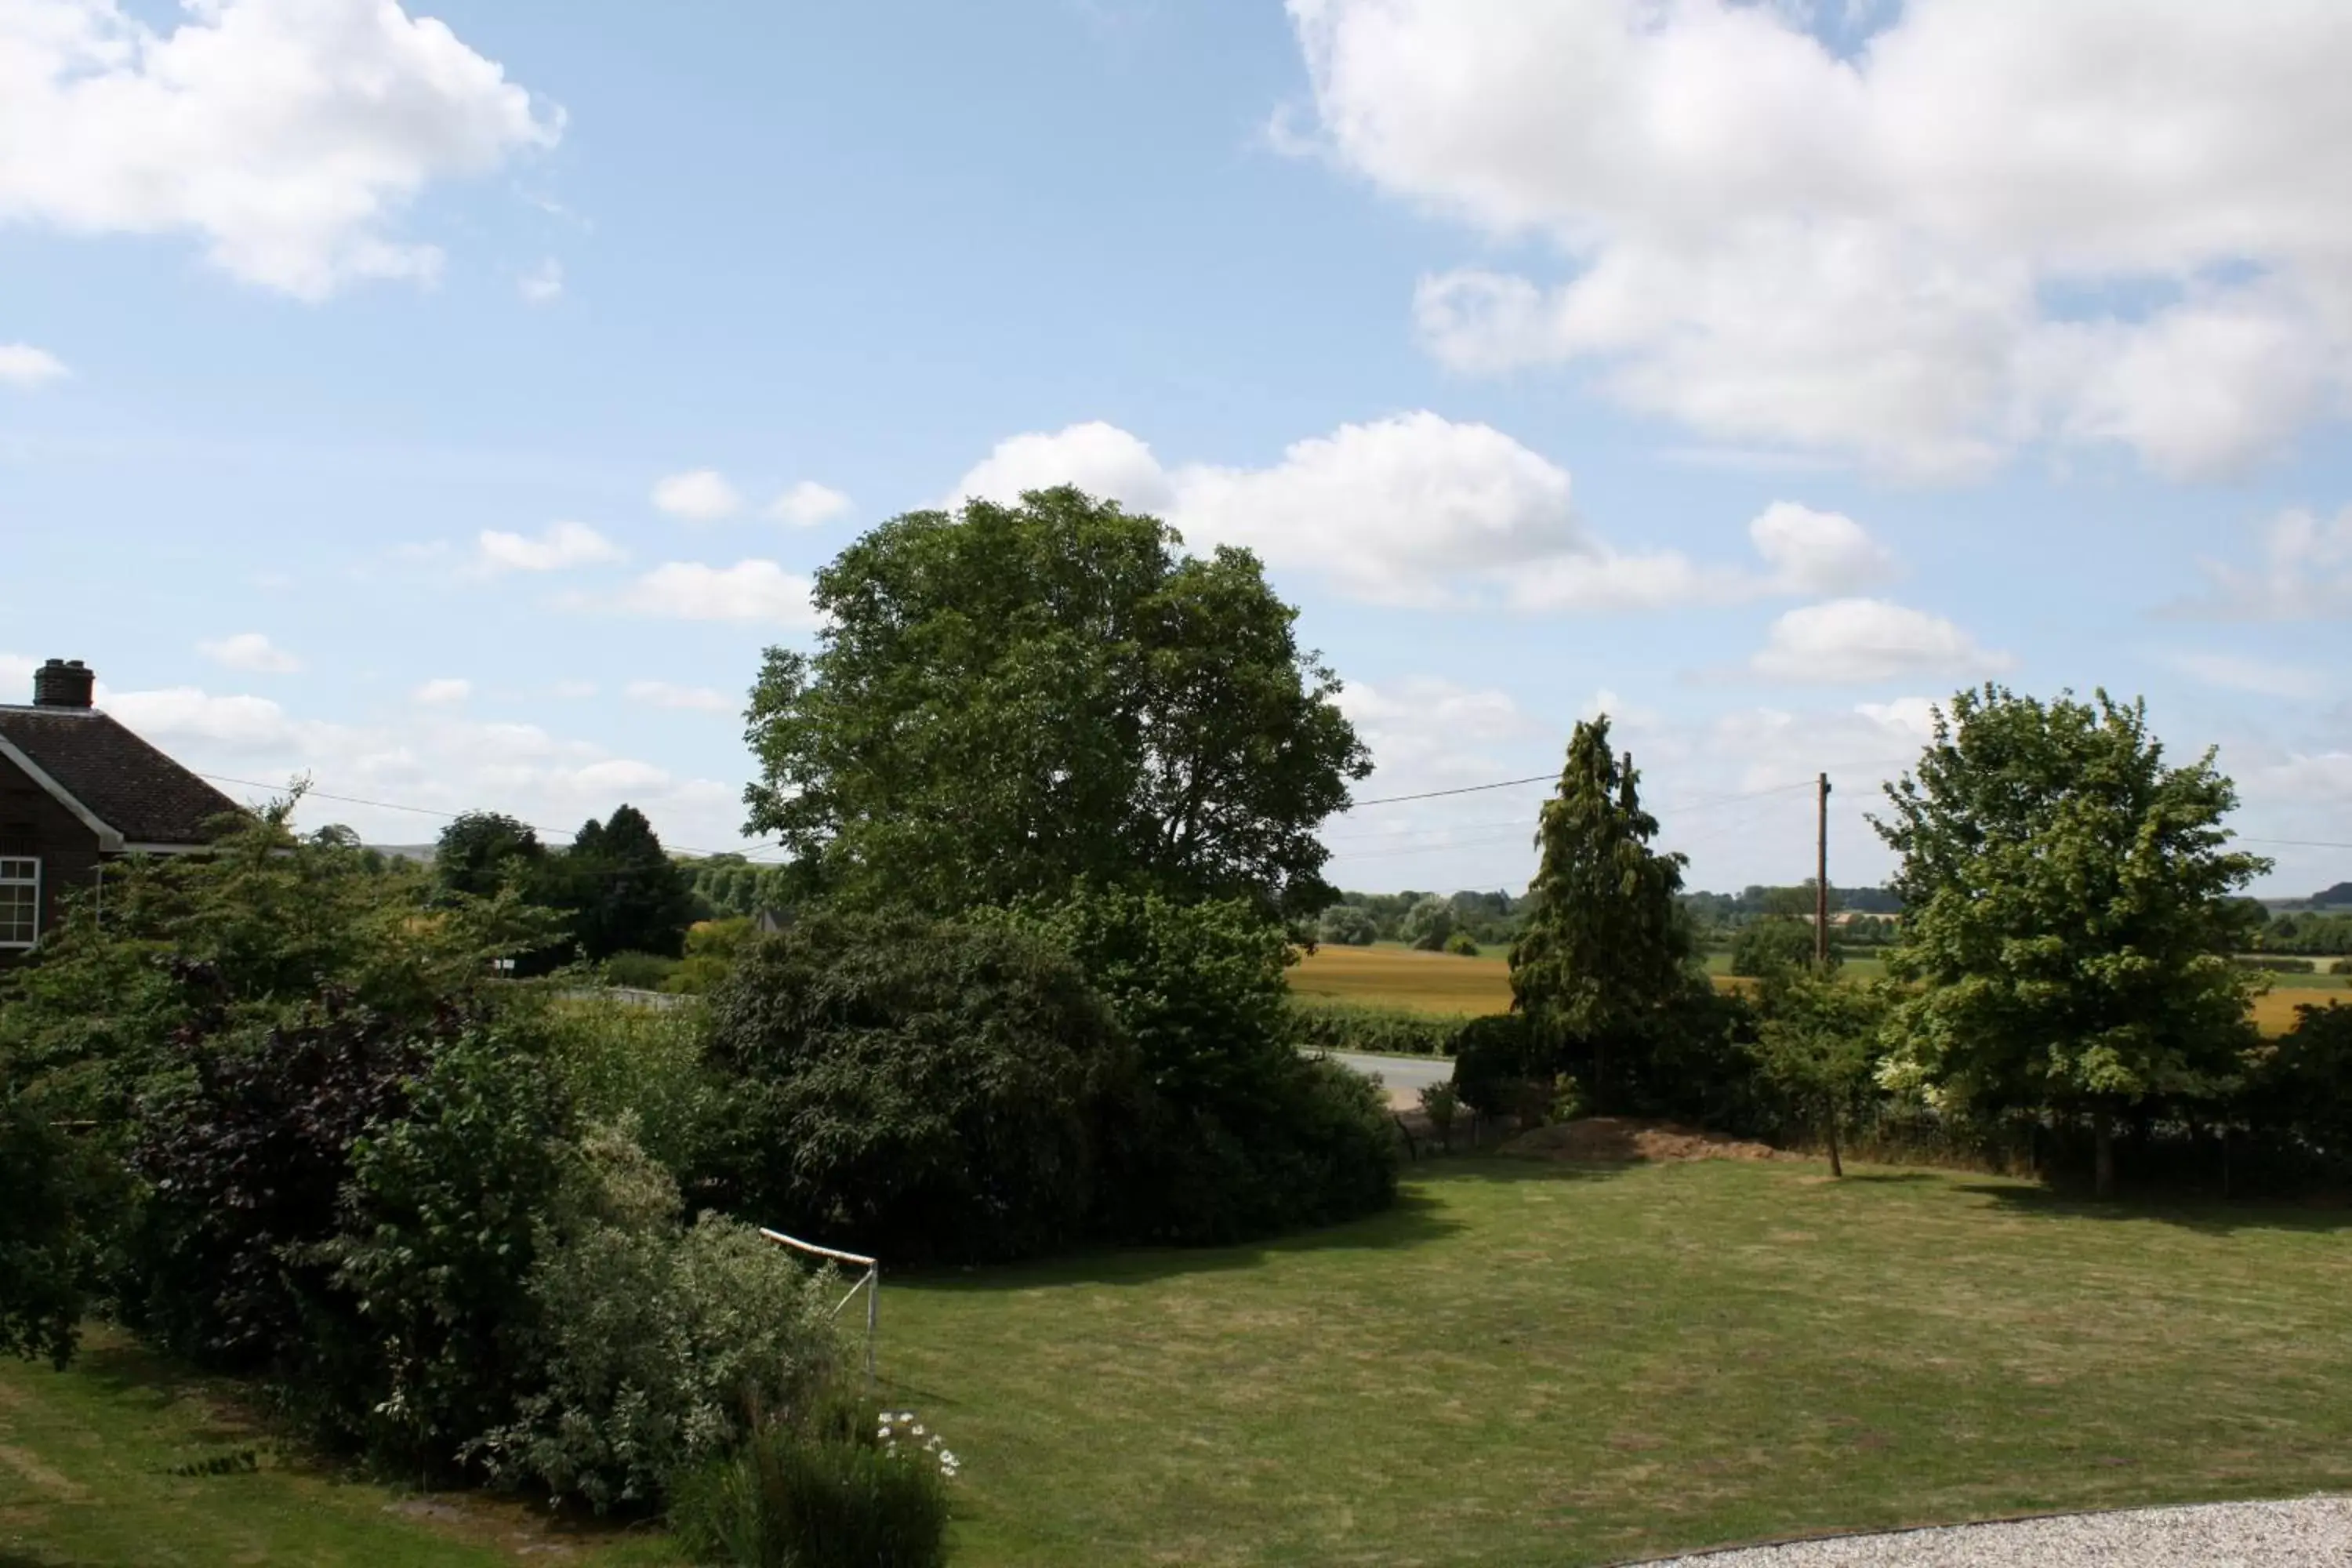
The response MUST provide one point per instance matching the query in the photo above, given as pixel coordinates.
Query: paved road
(1401, 1072)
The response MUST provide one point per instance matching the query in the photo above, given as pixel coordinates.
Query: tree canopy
(2069, 908)
(1008, 700)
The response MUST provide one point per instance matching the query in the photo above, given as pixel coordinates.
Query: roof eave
(109, 841)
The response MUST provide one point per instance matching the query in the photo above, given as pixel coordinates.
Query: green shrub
(645, 1064)
(1493, 1057)
(1442, 1103)
(913, 1088)
(2300, 1090)
(659, 1337)
(442, 1218)
(1462, 944)
(1766, 948)
(1330, 1025)
(791, 1499)
(712, 950)
(636, 971)
(1230, 1132)
(2341, 966)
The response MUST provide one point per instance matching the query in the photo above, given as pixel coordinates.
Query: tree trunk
(2102, 1143)
(1837, 1167)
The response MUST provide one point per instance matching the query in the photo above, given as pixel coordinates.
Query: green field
(1521, 1363)
(1539, 1364)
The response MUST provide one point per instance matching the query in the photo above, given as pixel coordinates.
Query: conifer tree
(1604, 952)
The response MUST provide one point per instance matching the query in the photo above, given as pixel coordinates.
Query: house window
(20, 902)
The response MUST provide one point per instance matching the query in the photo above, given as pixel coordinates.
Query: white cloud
(560, 546)
(747, 591)
(696, 698)
(239, 726)
(1992, 223)
(1418, 509)
(807, 504)
(1867, 640)
(1101, 460)
(430, 760)
(2237, 672)
(288, 134)
(700, 495)
(1818, 551)
(2305, 575)
(22, 365)
(250, 651)
(445, 692)
(544, 284)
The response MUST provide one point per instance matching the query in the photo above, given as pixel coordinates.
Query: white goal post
(870, 1282)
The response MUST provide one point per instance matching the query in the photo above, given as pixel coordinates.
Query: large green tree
(1011, 698)
(479, 851)
(2067, 913)
(1605, 954)
(622, 890)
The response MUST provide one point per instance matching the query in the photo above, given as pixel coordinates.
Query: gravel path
(2303, 1533)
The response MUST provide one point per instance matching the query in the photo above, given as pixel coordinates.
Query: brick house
(77, 789)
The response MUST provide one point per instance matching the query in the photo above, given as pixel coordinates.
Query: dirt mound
(1618, 1139)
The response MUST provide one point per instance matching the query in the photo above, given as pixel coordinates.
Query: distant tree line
(612, 889)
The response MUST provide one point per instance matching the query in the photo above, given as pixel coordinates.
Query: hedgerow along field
(1395, 976)
(1533, 1364)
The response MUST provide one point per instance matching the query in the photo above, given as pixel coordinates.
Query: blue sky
(449, 402)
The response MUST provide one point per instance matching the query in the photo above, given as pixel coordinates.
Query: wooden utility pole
(1821, 879)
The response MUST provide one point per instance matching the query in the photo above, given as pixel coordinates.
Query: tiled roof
(119, 778)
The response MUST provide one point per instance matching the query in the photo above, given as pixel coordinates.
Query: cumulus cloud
(235, 726)
(560, 546)
(700, 495)
(696, 698)
(2304, 574)
(1990, 223)
(544, 284)
(1419, 510)
(287, 135)
(1859, 641)
(431, 761)
(252, 652)
(807, 504)
(747, 591)
(445, 692)
(22, 365)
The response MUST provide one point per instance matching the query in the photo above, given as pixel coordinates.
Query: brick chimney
(63, 683)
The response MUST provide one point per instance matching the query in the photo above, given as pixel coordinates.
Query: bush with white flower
(901, 1435)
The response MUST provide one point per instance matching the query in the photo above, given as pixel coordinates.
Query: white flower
(919, 1430)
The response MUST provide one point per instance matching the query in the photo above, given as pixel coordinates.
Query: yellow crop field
(1443, 982)
(1400, 978)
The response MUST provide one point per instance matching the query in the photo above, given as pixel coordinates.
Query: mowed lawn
(1396, 977)
(1531, 1363)
(95, 1468)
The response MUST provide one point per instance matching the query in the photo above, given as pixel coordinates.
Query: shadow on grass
(2212, 1216)
(1417, 1217)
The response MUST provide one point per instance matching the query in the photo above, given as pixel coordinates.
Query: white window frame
(14, 875)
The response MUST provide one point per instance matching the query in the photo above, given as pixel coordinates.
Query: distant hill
(2338, 897)
(405, 851)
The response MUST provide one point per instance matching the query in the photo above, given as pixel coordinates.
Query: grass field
(86, 1463)
(1395, 976)
(1540, 1365)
